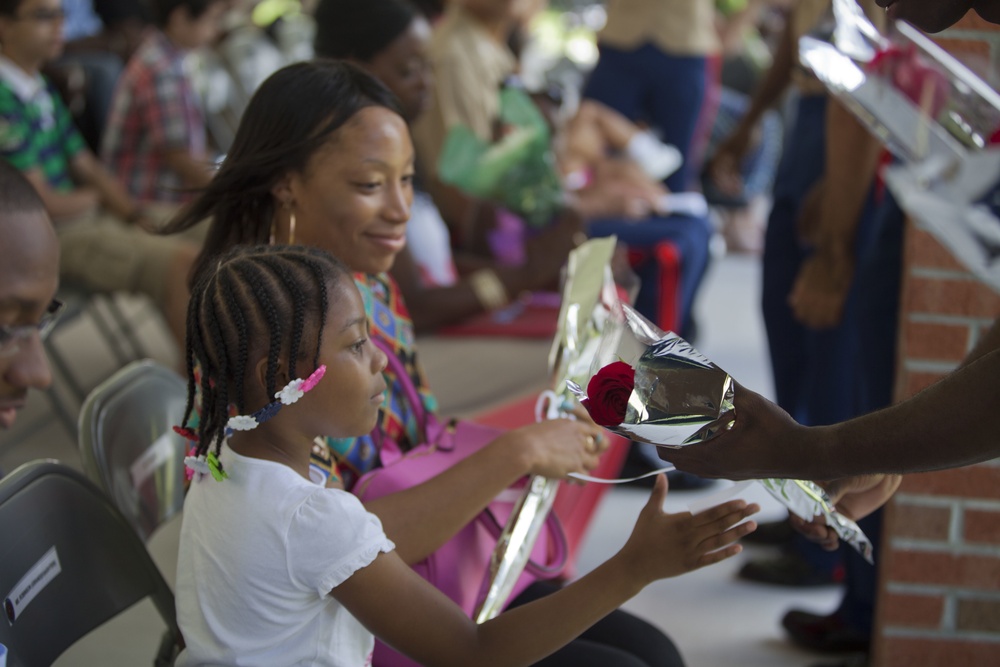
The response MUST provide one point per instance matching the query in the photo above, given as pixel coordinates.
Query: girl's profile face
(353, 198)
(353, 389)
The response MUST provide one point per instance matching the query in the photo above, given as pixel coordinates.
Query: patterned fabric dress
(390, 323)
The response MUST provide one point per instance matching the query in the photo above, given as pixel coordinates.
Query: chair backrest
(69, 561)
(128, 446)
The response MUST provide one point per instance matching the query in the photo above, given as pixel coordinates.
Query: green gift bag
(518, 171)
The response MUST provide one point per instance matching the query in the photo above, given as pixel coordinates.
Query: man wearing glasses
(29, 276)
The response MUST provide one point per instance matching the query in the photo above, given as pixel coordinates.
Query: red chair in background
(668, 260)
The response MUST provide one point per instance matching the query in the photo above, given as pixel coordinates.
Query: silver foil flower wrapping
(680, 398)
(587, 297)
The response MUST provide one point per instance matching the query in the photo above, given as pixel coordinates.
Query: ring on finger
(591, 444)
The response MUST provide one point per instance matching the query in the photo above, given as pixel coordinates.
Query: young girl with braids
(323, 157)
(276, 569)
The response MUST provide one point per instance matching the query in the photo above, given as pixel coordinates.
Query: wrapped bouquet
(654, 387)
(588, 297)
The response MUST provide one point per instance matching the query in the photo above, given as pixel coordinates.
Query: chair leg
(66, 415)
(126, 326)
(107, 328)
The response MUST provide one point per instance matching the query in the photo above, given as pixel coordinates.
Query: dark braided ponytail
(255, 300)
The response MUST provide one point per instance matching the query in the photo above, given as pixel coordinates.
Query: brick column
(939, 595)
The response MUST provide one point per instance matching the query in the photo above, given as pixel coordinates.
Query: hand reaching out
(666, 545)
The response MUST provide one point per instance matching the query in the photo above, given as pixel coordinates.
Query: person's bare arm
(724, 165)
(194, 173)
(88, 171)
(420, 519)
(63, 206)
(824, 280)
(947, 425)
(412, 616)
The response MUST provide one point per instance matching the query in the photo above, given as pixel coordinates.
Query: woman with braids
(276, 569)
(323, 157)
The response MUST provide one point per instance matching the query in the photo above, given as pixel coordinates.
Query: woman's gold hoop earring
(273, 237)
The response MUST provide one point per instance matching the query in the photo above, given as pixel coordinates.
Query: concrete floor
(716, 619)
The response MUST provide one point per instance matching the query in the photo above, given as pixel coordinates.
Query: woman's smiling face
(353, 198)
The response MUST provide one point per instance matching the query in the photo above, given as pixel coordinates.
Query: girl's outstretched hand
(666, 545)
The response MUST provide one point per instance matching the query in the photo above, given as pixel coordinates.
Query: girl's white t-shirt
(259, 554)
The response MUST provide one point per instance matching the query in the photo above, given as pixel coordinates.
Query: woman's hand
(556, 447)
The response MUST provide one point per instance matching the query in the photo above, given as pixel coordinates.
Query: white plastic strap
(549, 406)
(602, 480)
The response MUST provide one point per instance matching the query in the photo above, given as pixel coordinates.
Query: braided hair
(257, 299)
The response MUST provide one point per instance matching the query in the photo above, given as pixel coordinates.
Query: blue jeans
(813, 376)
(828, 376)
(880, 278)
(665, 91)
(689, 235)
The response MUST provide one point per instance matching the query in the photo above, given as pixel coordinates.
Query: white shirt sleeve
(332, 536)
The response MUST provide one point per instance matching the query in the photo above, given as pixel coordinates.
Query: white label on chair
(31, 584)
(158, 453)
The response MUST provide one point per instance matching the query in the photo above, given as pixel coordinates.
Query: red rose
(608, 393)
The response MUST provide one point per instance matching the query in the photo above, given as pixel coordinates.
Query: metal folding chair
(69, 562)
(117, 331)
(128, 446)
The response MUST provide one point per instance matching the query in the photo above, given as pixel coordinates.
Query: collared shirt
(469, 65)
(36, 129)
(155, 109)
(678, 27)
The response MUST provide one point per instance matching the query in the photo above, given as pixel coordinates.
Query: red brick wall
(939, 598)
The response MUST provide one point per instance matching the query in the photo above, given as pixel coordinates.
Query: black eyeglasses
(11, 337)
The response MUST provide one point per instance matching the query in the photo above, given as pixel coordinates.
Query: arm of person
(63, 206)
(943, 426)
(88, 171)
(724, 164)
(852, 155)
(432, 307)
(17, 148)
(422, 518)
(411, 615)
(194, 173)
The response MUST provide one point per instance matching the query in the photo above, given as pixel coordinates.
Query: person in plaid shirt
(155, 139)
(103, 246)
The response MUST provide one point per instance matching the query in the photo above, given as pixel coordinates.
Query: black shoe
(789, 569)
(772, 534)
(828, 634)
